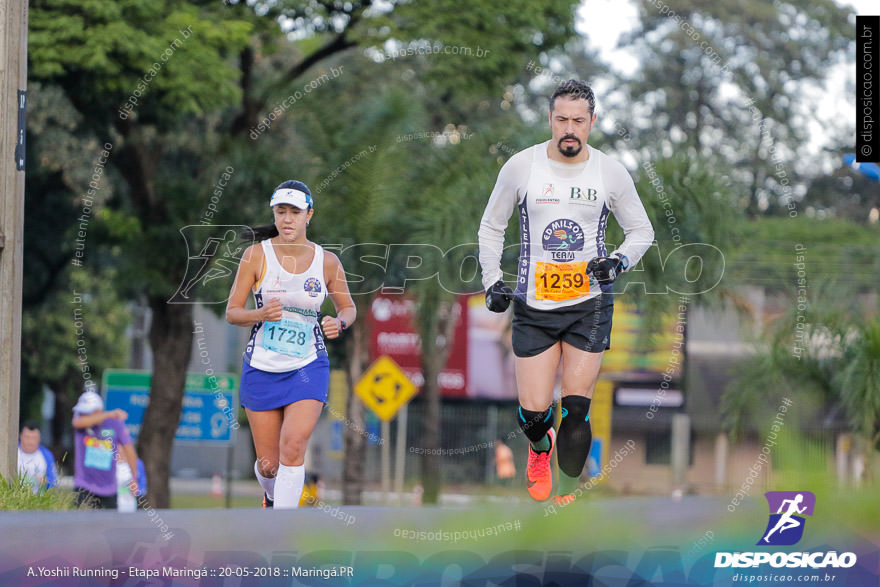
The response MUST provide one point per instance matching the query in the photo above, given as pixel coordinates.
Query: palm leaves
(828, 356)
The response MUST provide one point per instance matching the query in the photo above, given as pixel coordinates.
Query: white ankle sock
(268, 484)
(290, 481)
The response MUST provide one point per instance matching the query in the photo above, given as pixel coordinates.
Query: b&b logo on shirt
(588, 196)
(562, 237)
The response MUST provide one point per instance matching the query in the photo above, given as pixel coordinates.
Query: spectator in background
(100, 439)
(128, 501)
(311, 491)
(35, 463)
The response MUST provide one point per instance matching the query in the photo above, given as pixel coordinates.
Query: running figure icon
(786, 521)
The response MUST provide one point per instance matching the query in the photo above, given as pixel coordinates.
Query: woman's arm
(337, 287)
(249, 272)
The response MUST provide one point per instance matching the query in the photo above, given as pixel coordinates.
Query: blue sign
(210, 409)
(594, 461)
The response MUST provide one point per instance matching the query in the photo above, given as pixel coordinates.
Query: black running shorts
(586, 326)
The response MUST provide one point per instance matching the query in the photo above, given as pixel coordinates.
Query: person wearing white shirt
(35, 462)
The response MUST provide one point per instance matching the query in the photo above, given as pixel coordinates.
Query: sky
(604, 21)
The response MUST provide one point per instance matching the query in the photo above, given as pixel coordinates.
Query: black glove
(606, 269)
(498, 297)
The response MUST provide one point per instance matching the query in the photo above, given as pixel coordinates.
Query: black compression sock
(575, 435)
(535, 426)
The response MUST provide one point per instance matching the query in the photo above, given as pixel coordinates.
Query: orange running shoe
(539, 477)
(564, 500)
(268, 504)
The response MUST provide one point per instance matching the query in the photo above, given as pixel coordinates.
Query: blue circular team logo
(562, 237)
(313, 286)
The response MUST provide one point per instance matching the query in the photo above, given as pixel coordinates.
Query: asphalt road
(613, 541)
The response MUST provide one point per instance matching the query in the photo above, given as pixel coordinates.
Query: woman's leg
(299, 422)
(266, 430)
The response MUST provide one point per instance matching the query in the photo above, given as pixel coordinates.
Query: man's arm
(95, 418)
(630, 214)
(125, 450)
(509, 188)
(131, 458)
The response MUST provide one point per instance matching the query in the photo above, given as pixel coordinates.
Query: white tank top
(295, 340)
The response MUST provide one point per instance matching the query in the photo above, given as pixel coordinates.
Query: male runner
(563, 190)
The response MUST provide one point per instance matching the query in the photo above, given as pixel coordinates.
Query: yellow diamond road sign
(384, 387)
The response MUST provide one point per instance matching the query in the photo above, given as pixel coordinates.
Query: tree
(733, 84)
(859, 384)
(370, 203)
(98, 54)
(71, 338)
(444, 234)
(74, 322)
(828, 355)
(171, 123)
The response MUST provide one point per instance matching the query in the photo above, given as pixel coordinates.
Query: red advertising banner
(393, 332)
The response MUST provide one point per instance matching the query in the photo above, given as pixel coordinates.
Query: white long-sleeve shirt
(563, 212)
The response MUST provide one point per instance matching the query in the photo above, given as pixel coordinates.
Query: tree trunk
(62, 420)
(436, 344)
(869, 452)
(354, 427)
(752, 209)
(171, 341)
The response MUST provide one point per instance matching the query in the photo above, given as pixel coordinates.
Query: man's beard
(569, 151)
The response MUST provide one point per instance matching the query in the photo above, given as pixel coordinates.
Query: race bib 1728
(288, 337)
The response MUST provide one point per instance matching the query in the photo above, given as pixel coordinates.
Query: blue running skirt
(261, 390)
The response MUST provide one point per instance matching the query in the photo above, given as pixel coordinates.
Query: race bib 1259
(561, 281)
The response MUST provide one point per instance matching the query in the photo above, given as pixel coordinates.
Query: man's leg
(579, 373)
(535, 377)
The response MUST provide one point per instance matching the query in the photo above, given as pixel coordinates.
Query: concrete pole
(681, 448)
(400, 452)
(13, 82)
(721, 449)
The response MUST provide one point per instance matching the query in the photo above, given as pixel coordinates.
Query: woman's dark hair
(259, 233)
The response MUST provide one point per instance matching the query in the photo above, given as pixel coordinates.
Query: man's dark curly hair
(576, 90)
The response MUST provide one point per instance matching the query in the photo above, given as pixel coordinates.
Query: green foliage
(176, 87)
(839, 252)
(470, 50)
(695, 227)
(860, 378)
(17, 495)
(102, 52)
(824, 357)
(77, 333)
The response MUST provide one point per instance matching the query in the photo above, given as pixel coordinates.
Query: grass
(196, 501)
(18, 495)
